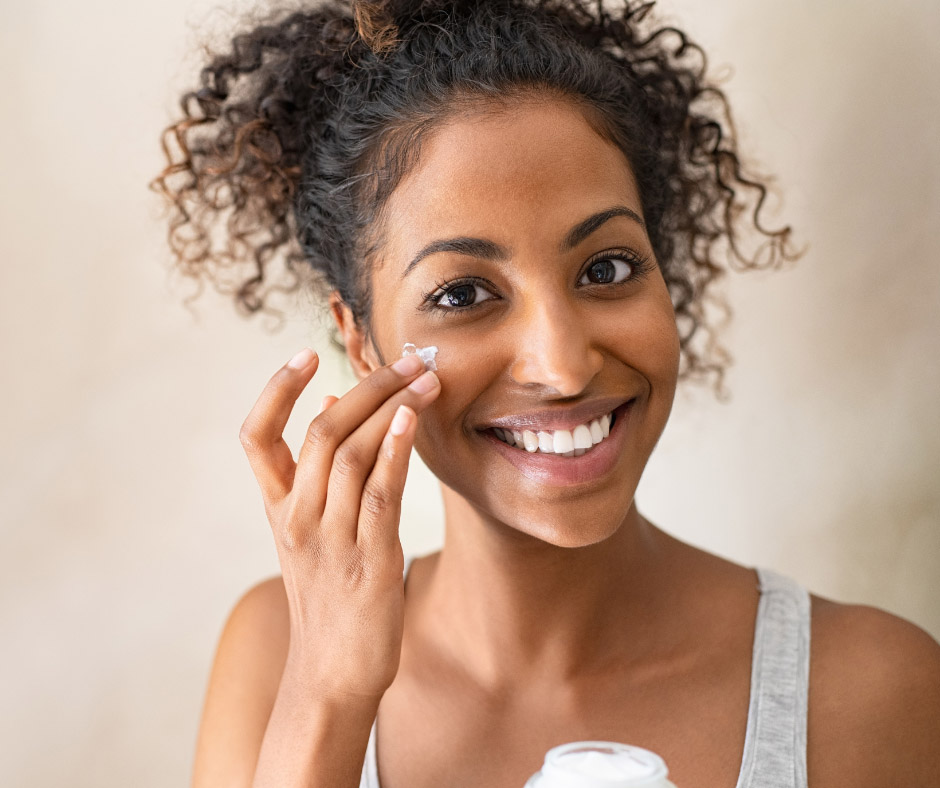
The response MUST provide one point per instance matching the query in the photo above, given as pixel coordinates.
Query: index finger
(344, 416)
(261, 433)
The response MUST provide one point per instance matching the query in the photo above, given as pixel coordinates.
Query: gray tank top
(775, 742)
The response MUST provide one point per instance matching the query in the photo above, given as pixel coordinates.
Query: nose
(555, 348)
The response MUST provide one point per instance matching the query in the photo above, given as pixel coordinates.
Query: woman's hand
(335, 516)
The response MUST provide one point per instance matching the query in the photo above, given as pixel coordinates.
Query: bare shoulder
(874, 703)
(255, 638)
(262, 606)
(243, 685)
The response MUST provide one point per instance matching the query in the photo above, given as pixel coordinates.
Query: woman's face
(516, 246)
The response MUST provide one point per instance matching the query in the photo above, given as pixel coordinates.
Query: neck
(508, 605)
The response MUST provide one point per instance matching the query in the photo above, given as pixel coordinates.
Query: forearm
(312, 743)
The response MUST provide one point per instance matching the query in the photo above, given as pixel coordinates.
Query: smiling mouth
(564, 443)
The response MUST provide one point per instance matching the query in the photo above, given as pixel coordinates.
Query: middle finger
(357, 455)
(333, 425)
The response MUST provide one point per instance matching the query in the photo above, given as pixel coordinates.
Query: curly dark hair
(303, 128)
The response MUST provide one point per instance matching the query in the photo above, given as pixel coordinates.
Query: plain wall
(130, 519)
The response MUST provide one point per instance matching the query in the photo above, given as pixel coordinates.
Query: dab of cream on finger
(426, 354)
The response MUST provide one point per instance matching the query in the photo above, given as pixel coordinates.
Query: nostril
(555, 352)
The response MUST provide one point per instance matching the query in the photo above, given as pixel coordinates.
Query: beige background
(130, 521)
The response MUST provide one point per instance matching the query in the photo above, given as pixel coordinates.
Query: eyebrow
(487, 250)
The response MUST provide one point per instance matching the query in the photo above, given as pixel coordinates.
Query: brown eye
(607, 271)
(463, 295)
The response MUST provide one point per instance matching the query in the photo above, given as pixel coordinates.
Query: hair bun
(375, 25)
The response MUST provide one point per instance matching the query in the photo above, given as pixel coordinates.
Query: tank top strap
(775, 742)
(370, 767)
(408, 560)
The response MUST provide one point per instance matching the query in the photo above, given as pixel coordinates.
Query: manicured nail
(401, 420)
(408, 365)
(427, 382)
(302, 359)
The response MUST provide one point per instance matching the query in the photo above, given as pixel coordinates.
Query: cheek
(651, 336)
(656, 338)
(466, 366)
(460, 356)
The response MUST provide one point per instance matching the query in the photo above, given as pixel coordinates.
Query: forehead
(527, 171)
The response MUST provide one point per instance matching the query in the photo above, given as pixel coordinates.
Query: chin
(570, 518)
(568, 537)
(568, 526)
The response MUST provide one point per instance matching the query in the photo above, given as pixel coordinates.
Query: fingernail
(400, 421)
(302, 359)
(408, 365)
(427, 382)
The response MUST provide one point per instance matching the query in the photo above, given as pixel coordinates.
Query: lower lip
(557, 470)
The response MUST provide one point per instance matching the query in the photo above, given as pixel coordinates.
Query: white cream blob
(426, 354)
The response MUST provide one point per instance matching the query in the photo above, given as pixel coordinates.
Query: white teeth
(562, 442)
(546, 442)
(567, 443)
(597, 433)
(582, 437)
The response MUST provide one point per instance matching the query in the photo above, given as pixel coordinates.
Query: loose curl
(304, 127)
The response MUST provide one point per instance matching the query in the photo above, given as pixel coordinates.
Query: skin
(556, 611)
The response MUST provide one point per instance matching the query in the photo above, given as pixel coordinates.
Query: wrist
(316, 736)
(302, 679)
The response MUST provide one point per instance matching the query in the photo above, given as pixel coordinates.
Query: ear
(359, 348)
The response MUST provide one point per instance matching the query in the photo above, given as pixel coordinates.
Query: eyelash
(642, 264)
(429, 300)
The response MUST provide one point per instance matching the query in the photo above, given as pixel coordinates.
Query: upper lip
(565, 417)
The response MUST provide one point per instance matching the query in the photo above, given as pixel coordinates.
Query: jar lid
(602, 764)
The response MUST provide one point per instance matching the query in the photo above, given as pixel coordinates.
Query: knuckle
(248, 437)
(290, 538)
(294, 531)
(320, 431)
(388, 452)
(348, 460)
(357, 568)
(373, 567)
(377, 500)
(380, 380)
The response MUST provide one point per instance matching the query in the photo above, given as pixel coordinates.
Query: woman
(543, 191)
